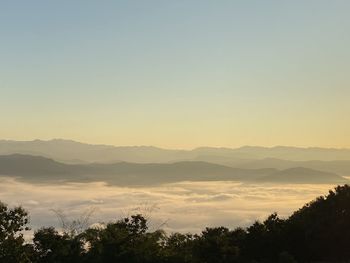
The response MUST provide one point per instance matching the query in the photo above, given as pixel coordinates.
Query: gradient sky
(176, 74)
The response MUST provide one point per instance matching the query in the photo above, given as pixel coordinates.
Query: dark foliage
(12, 246)
(318, 232)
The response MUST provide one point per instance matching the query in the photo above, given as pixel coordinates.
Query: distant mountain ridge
(341, 167)
(302, 175)
(76, 152)
(42, 169)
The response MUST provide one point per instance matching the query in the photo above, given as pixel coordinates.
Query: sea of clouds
(184, 207)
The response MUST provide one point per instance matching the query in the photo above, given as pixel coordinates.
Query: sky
(176, 74)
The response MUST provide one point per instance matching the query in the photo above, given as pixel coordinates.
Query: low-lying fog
(185, 206)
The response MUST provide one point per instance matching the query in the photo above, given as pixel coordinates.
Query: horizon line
(176, 149)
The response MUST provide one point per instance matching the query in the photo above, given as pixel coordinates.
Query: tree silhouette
(12, 224)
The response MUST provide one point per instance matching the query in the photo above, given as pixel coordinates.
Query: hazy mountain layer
(75, 152)
(302, 175)
(341, 167)
(41, 169)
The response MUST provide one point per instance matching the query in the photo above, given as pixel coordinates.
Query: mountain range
(41, 169)
(59, 159)
(75, 152)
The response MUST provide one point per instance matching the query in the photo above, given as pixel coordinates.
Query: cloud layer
(185, 206)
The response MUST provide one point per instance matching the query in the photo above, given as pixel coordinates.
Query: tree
(264, 241)
(13, 221)
(53, 247)
(320, 230)
(126, 240)
(285, 257)
(176, 243)
(215, 245)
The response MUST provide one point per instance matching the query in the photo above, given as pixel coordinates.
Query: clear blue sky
(176, 74)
